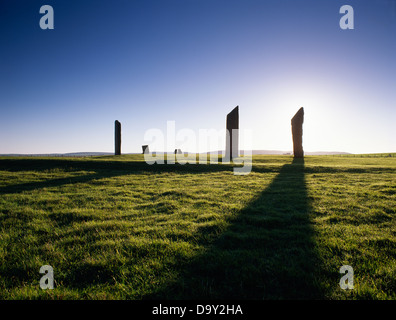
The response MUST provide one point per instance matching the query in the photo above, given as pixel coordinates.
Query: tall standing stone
(117, 136)
(232, 137)
(145, 149)
(297, 132)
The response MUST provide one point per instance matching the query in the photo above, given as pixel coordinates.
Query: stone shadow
(98, 169)
(268, 251)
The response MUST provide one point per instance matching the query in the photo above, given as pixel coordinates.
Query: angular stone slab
(117, 136)
(232, 137)
(145, 149)
(297, 133)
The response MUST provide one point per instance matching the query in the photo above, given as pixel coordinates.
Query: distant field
(117, 228)
(368, 155)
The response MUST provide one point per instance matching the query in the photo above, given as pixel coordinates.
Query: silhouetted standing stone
(178, 151)
(297, 132)
(232, 140)
(117, 136)
(145, 149)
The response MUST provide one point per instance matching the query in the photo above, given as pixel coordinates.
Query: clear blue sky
(146, 62)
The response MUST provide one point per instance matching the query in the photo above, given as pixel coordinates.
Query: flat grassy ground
(117, 228)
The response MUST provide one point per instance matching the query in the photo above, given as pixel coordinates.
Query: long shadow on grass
(266, 253)
(101, 169)
(112, 168)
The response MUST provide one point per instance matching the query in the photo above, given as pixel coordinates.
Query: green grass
(117, 228)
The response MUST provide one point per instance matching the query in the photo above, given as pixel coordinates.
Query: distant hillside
(324, 153)
(72, 154)
(280, 152)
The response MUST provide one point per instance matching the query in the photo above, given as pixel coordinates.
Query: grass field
(117, 228)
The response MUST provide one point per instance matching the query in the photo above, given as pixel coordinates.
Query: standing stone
(117, 136)
(297, 132)
(145, 149)
(178, 151)
(232, 140)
